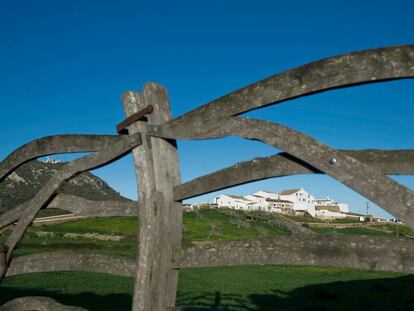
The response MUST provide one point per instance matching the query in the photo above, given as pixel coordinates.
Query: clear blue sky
(65, 64)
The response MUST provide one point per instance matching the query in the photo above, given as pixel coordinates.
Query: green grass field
(388, 230)
(230, 288)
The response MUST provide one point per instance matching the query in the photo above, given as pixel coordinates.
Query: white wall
(269, 195)
(328, 214)
(343, 207)
(227, 201)
(302, 201)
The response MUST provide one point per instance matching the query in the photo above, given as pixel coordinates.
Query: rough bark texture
(156, 162)
(147, 275)
(367, 66)
(3, 264)
(13, 215)
(55, 144)
(71, 261)
(371, 183)
(359, 252)
(37, 304)
(69, 170)
(364, 179)
(167, 177)
(390, 162)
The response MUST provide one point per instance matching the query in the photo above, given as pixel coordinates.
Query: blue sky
(65, 64)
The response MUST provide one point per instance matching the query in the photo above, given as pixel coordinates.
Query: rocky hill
(26, 181)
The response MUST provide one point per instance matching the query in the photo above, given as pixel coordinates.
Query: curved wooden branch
(13, 215)
(78, 206)
(71, 261)
(336, 250)
(367, 66)
(84, 207)
(37, 303)
(69, 170)
(369, 182)
(389, 162)
(55, 144)
(360, 252)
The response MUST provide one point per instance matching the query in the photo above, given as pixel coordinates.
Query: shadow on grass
(377, 294)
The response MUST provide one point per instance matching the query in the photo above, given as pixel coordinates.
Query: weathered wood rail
(152, 141)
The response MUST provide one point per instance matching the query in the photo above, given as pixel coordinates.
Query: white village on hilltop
(292, 202)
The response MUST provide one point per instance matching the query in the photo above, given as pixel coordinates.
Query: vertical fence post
(157, 168)
(3, 263)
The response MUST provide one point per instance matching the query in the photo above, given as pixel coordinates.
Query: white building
(291, 202)
(327, 214)
(280, 206)
(303, 202)
(267, 194)
(326, 202)
(50, 160)
(255, 206)
(258, 202)
(331, 205)
(343, 207)
(232, 201)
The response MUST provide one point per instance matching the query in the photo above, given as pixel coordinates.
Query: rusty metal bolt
(121, 128)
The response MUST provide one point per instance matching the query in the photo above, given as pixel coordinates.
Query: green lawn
(126, 226)
(231, 288)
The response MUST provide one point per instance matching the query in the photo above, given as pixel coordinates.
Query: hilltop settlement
(292, 202)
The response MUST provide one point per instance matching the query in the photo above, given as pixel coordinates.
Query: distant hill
(26, 181)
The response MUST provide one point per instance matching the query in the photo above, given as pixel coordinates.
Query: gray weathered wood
(368, 66)
(3, 255)
(366, 180)
(371, 183)
(389, 162)
(53, 145)
(335, 250)
(71, 261)
(147, 275)
(156, 162)
(84, 207)
(78, 206)
(167, 177)
(35, 303)
(70, 169)
(13, 215)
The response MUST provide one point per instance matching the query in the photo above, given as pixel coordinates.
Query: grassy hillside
(232, 288)
(203, 226)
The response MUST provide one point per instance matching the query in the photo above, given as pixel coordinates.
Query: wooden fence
(152, 141)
